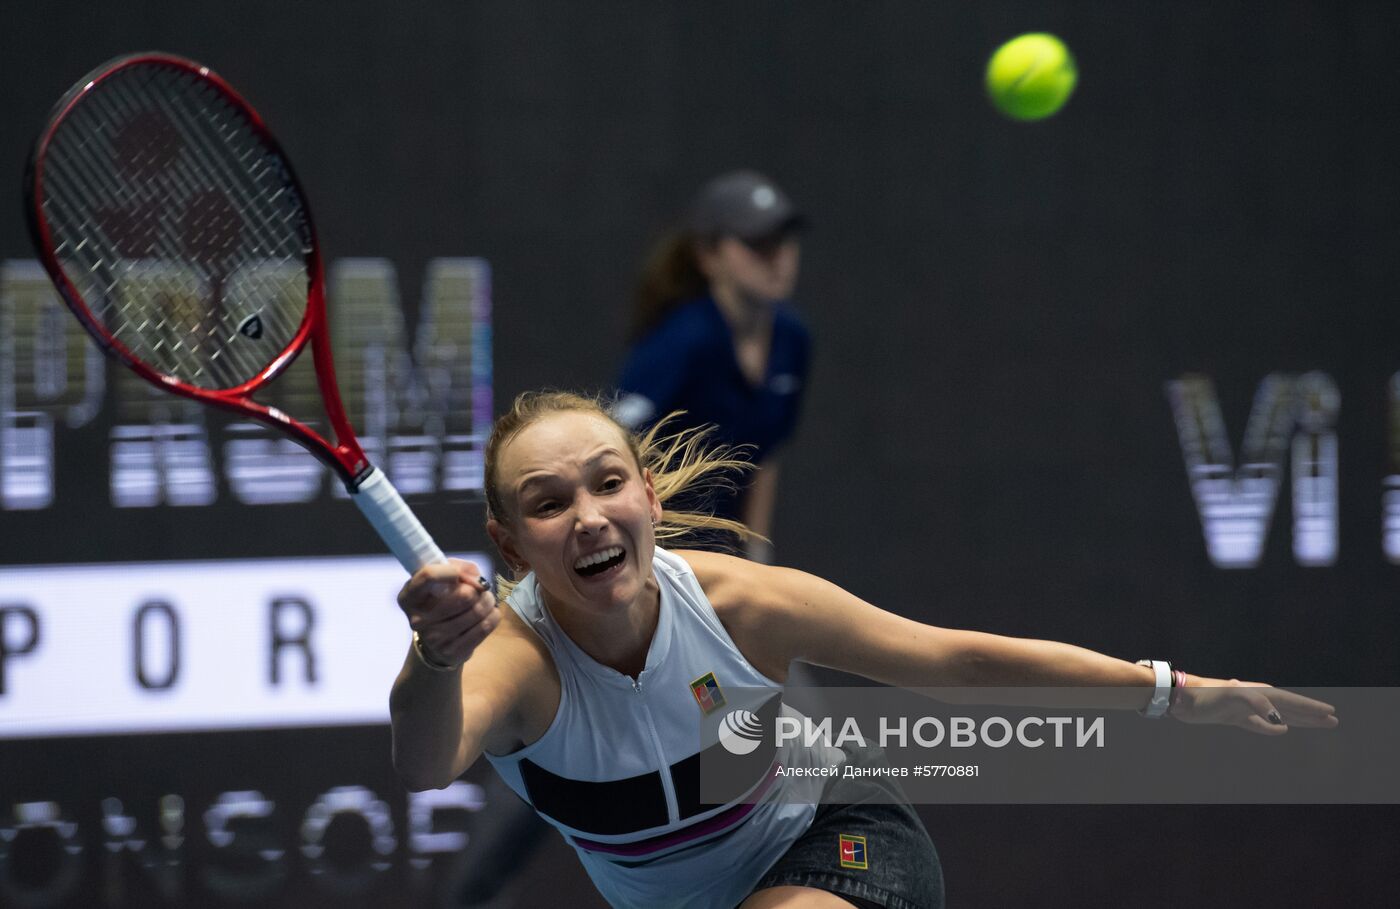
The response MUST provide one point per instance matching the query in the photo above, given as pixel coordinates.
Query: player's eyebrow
(542, 477)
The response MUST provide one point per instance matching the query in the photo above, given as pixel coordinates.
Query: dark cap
(743, 204)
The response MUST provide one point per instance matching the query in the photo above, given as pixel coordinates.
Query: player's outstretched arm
(781, 615)
(460, 685)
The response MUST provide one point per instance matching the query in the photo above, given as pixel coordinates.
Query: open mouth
(595, 564)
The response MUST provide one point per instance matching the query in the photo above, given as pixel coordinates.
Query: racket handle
(381, 503)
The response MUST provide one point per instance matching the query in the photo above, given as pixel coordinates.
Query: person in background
(714, 334)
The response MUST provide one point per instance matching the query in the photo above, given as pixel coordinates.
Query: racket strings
(178, 226)
(206, 151)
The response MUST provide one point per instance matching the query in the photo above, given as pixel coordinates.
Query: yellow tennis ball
(1031, 76)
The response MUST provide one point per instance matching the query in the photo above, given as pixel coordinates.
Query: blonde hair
(681, 462)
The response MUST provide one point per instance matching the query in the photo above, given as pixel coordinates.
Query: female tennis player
(587, 692)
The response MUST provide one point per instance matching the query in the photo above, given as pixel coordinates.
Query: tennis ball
(1031, 76)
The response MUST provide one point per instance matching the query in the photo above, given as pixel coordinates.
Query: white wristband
(1162, 692)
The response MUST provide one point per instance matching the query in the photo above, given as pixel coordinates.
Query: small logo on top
(707, 693)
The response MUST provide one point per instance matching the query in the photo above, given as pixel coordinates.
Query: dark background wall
(996, 307)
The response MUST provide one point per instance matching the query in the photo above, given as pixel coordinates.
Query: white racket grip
(381, 503)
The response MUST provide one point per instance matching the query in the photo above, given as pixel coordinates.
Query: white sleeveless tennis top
(617, 771)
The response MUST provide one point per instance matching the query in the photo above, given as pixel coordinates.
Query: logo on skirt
(853, 852)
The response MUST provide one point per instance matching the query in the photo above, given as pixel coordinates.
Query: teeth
(602, 555)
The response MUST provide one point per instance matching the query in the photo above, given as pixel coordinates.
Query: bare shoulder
(747, 598)
(776, 615)
(729, 581)
(515, 646)
(513, 667)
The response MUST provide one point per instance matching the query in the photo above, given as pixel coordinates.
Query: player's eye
(611, 484)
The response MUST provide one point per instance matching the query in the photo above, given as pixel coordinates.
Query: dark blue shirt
(688, 363)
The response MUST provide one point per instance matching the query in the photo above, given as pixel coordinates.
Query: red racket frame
(344, 456)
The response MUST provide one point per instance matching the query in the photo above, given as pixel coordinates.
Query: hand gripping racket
(173, 226)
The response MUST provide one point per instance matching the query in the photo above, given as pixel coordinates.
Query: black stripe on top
(617, 807)
(605, 808)
(741, 772)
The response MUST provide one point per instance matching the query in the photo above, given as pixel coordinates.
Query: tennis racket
(174, 228)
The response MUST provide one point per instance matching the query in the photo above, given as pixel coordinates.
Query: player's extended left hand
(1253, 706)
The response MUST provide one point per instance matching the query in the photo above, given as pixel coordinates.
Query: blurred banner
(198, 631)
(182, 646)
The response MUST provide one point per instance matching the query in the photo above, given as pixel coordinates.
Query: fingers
(451, 607)
(436, 580)
(1325, 722)
(451, 603)
(1256, 723)
(449, 623)
(1299, 710)
(425, 581)
(433, 586)
(1263, 716)
(1279, 709)
(457, 647)
(1263, 707)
